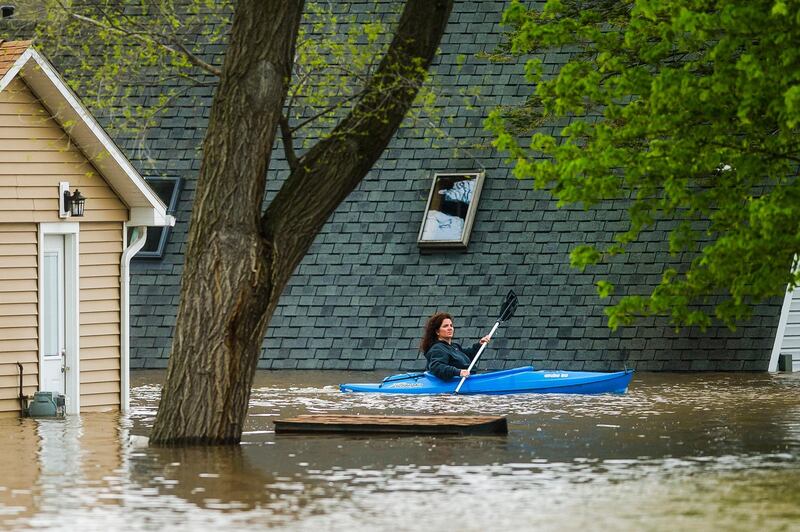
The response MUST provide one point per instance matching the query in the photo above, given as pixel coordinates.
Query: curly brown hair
(429, 334)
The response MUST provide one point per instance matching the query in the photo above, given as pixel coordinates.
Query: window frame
(466, 232)
(172, 205)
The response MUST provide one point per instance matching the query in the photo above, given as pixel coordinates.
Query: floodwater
(678, 451)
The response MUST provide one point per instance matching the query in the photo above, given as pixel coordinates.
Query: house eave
(42, 78)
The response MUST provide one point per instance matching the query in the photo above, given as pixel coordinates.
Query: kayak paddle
(506, 311)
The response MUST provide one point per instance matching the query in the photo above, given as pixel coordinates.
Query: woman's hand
(485, 339)
(464, 373)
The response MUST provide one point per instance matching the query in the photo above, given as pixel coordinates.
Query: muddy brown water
(678, 451)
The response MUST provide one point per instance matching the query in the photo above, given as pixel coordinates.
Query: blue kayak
(519, 380)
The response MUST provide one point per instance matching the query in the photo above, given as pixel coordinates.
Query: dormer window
(450, 212)
(168, 190)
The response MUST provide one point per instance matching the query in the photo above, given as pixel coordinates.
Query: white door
(53, 315)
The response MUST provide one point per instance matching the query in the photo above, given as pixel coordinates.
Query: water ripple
(710, 451)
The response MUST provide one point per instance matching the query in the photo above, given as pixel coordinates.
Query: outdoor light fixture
(74, 202)
(70, 203)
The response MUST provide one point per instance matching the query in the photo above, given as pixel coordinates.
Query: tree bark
(238, 261)
(226, 284)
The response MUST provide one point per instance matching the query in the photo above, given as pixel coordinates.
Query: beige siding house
(63, 273)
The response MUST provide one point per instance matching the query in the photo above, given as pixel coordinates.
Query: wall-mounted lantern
(70, 203)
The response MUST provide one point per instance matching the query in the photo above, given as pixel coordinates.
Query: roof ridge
(17, 42)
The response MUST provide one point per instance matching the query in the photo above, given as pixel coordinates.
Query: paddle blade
(509, 306)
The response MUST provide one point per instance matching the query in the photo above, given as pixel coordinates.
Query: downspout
(138, 238)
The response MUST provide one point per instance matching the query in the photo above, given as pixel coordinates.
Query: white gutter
(139, 238)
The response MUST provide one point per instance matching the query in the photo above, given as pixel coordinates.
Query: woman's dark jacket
(447, 360)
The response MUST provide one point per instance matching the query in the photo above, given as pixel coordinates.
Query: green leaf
(689, 113)
(604, 289)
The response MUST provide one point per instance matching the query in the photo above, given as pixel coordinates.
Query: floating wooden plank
(393, 424)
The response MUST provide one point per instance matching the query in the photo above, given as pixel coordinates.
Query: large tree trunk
(226, 284)
(238, 261)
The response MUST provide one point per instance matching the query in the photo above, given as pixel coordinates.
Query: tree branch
(333, 167)
(288, 143)
(325, 111)
(175, 47)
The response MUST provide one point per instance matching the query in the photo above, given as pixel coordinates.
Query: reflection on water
(679, 451)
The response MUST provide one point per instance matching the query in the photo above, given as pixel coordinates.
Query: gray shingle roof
(361, 295)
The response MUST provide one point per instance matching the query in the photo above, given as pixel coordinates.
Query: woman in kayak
(445, 358)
